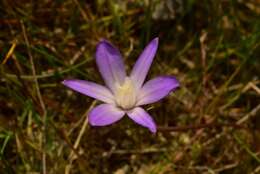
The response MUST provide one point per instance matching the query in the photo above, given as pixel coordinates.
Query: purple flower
(124, 94)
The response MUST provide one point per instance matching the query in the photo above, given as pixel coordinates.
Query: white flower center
(125, 94)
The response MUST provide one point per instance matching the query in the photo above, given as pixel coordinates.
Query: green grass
(210, 125)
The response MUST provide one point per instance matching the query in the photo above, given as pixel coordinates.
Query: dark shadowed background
(211, 124)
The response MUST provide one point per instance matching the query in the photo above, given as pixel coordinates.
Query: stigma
(125, 94)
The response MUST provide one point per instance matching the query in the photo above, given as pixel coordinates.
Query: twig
(250, 114)
(137, 151)
(78, 54)
(46, 75)
(39, 97)
(226, 167)
(199, 126)
(239, 122)
(72, 155)
(208, 169)
(256, 171)
(82, 11)
(9, 53)
(203, 50)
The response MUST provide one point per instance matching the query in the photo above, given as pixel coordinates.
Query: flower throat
(125, 94)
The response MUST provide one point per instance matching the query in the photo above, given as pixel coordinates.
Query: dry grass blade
(44, 111)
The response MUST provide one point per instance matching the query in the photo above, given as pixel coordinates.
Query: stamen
(126, 94)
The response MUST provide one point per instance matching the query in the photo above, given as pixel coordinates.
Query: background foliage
(210, 125)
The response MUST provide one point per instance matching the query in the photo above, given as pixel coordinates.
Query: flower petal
(110, 64)
(90, 89)
(105, 114)
(156, 89)
(140, 116)
(144, 62)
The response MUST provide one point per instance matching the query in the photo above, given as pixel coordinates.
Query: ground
(211, 124)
